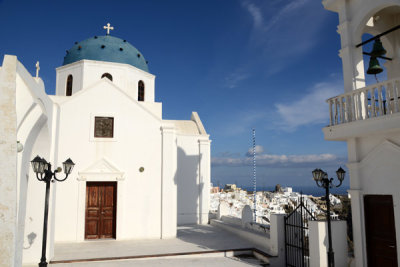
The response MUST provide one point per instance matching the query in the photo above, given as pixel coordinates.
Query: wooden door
(380, 230)
(101, 200)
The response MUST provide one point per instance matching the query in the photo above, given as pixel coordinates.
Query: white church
(136, 175)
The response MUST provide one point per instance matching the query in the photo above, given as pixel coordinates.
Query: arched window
(107, 75)
(69, 86)
(141, 91)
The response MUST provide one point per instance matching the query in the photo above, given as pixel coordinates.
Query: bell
(374, 67)
(378, 49)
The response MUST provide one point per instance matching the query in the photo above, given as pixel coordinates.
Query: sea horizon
(306, 190)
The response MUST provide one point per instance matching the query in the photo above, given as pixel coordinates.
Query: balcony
(373, 101)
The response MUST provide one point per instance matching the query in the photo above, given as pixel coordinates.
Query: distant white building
(136, 176)
(334, 200)
(287, 190)
(368, 119)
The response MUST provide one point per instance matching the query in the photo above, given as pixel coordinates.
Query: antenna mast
(254, 175)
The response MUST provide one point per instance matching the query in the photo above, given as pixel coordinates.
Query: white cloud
(278, 160)
(304, 110)
(275, 15)
(255, 13)
(284, 13)
(233, 79)
(257, 149)
(309, 109)
(283, 31)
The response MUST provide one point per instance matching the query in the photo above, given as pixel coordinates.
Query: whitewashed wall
(136, 143)
(318, 235)
(33, 230)
(74, 69)
(31, 102)
(187, 177)
(87, 72)
(374, 169)
(193, 178)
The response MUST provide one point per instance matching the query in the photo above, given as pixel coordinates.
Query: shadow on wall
(188, 187)
(27, 196)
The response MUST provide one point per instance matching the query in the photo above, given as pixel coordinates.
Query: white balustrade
(372, 101)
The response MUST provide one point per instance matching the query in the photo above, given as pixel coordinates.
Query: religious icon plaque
(104, 127)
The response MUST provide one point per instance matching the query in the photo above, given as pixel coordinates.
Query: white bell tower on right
(367, 117)
(359, 17)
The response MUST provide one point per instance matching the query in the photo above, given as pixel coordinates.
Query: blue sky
(239, 63)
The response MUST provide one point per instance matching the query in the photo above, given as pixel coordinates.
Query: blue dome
(106, 48)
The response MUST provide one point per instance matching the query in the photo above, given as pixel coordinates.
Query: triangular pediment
(102, 167)
(376, 153)
(106, 83)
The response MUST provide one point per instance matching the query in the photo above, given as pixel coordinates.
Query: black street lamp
(43, 171)
(322, 180)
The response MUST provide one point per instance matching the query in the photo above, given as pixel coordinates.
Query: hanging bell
(378, 49)
(374, 67)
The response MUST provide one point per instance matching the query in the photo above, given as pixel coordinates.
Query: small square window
(104, 127)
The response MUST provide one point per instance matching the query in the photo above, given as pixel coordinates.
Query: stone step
(244, 255)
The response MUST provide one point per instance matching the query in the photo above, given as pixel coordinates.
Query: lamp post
(43, 172)
(321, 179)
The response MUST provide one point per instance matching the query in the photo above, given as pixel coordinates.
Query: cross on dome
(108, 28)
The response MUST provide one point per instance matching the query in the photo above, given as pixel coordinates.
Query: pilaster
(318, 235)
(352, 57)
(204, 180)
(168, 182)
(357, 210)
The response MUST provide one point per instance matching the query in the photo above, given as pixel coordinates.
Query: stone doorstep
(260, 255)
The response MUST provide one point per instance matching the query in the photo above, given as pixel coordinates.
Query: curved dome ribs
(106, 48)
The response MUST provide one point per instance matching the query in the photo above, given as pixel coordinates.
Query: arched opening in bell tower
(107, 75)
(141, 91)
(374, 67)
(68, 91)
(380, 33)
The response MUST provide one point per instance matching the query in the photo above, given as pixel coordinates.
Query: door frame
(100, 171)
(115, 202)
(364, 219)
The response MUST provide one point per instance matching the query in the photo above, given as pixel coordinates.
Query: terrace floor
(195, 245)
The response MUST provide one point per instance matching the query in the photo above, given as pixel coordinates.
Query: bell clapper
(376, 78)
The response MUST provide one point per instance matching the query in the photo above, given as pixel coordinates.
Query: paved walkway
(195, 245)
(196, 238)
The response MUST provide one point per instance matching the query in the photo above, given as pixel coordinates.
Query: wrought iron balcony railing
(376, 100)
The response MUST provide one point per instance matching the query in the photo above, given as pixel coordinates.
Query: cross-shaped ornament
(37, 69)
(108, 28)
